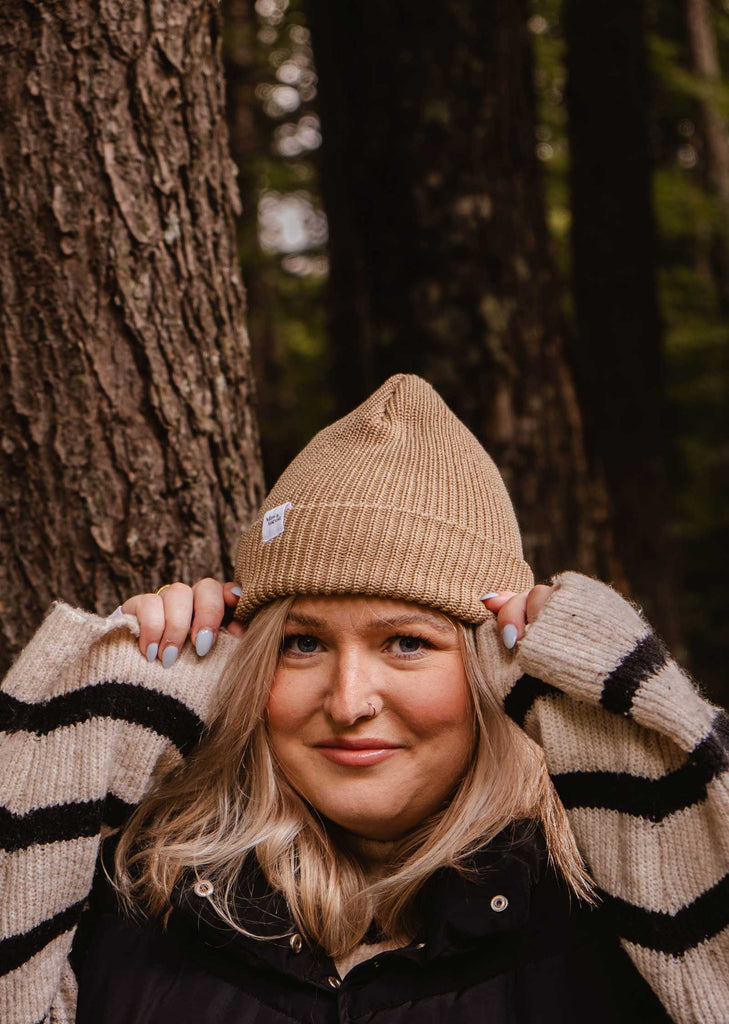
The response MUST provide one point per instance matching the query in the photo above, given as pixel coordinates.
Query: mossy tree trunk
(129, 452)
(440, 261)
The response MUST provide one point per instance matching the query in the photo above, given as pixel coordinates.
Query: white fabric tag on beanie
(273, 521)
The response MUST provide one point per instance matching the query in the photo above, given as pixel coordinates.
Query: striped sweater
(639, 760)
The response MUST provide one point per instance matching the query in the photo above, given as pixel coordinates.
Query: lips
(359, 743)
(357, 753)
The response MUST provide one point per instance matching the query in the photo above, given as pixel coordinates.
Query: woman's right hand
(167, 619)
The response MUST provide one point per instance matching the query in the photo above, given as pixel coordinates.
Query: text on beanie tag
(273, 521)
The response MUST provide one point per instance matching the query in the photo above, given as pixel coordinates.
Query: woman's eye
(300, 644)
(407, 645)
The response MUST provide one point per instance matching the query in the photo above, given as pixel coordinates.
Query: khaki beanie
(397, 499)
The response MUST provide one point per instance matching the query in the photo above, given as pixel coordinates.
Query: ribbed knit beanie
(398, 499)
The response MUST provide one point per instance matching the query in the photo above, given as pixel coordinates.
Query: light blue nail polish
(204, 641)
(152, 652)
(170, 656)
(117, 611)
(487, 597)
(236, 590)
(509, 635)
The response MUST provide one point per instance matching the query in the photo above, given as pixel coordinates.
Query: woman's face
(343, 657)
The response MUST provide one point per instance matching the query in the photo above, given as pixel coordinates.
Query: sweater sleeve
(84, 719)
(641, 763)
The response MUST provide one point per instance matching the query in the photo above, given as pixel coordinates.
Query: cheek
(442, 719)
(283, 712)
(292, 701)
(443, 704)
(283, 724)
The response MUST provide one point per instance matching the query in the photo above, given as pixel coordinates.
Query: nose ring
(374, 709)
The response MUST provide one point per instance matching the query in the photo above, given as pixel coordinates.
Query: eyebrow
(441, 624)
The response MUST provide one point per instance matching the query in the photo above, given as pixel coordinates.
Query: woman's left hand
(515, 611)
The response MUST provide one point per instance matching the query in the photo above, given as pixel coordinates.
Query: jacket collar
(458, 909)
(489, 896)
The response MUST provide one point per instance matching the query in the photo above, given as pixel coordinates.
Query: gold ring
(163, 587)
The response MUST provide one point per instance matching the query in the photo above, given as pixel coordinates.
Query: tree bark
(129, 454)
(439, 254)
(618, 353)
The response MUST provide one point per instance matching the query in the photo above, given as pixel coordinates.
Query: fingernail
(170, 656)
(236, 590)
(152, 652)
(117, 611)
(204, 641)
(509, 635)
(487, 597)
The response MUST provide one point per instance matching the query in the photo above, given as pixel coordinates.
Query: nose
(350, 694)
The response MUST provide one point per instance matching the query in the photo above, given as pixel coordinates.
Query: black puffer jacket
(504, 946)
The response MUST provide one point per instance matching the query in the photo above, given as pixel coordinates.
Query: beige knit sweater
(639, 759)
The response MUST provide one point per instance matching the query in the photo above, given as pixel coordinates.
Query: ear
(499, 666)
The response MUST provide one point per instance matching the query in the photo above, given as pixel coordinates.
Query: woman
(362, 833)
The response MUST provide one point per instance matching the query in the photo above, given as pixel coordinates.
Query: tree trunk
(129, 452)
(705, 59)
(618, 354)
(438, 246)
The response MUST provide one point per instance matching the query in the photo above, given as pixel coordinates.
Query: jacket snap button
(499, 903)
(296, 943)
(334, 982)
(203, 888)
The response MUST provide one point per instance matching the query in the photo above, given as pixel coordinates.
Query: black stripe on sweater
(126, 702)
(620, 687)
(60, 822)
(673, 934)
(653, 799)
(18, 949)
(524, 694)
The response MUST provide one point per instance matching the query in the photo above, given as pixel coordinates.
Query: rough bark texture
(129, 452)
(438, 246)
(618, 352)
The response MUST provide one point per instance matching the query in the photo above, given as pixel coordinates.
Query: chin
(375, 826)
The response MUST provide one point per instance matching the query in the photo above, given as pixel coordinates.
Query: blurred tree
(696, 352)
(274, 129)
(286, 315)
(705, 59)
(439, 257)
(692, 230)
(701, 380)
(618, 352)
(129, 451)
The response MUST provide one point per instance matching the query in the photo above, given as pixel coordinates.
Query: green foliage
(689, 221)
(683, 208)
(551, 143)
(690, 226)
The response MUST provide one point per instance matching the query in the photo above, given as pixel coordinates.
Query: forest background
(526, 203)
(650, 106)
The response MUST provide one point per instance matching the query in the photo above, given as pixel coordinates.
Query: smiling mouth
(359, 753)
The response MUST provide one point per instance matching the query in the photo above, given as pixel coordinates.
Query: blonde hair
(229, 800)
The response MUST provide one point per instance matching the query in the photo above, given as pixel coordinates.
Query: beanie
(397, 499)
